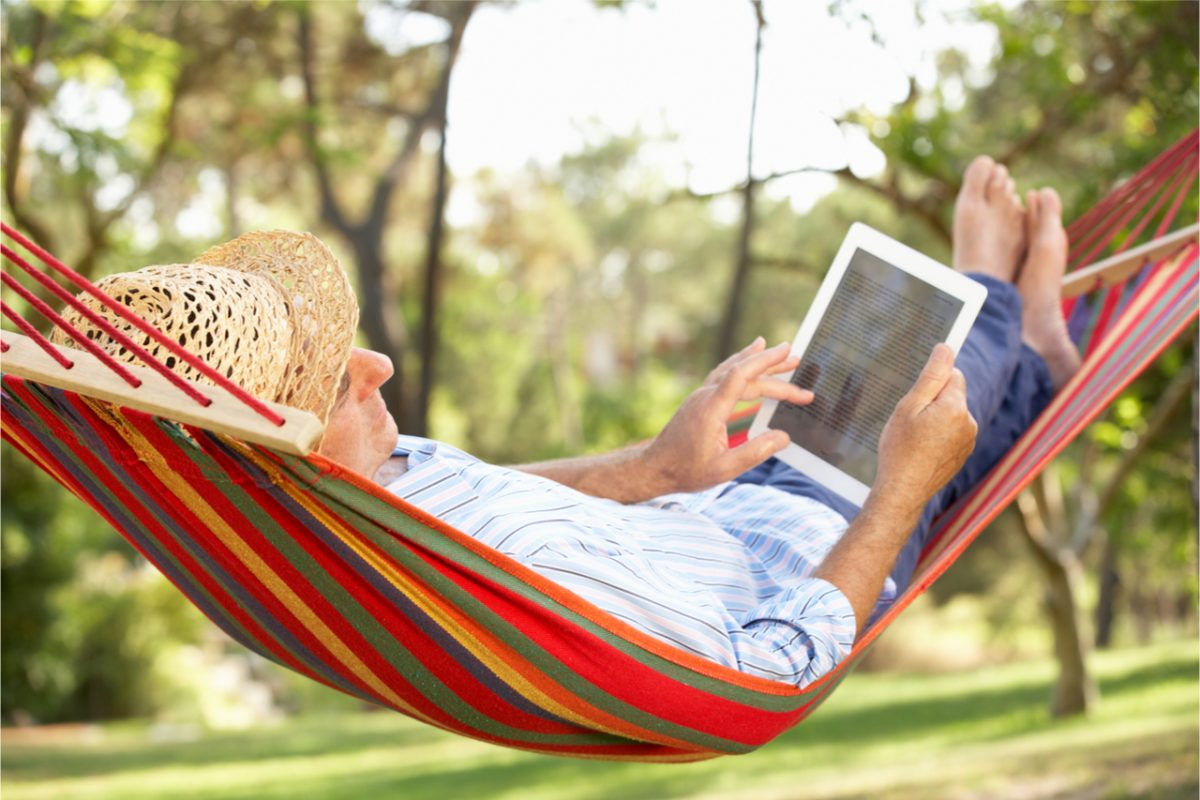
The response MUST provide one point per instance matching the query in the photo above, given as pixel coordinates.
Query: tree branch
(381, 197)
(920, 207)
(1034, 527)
(331, 210)
(14, 150)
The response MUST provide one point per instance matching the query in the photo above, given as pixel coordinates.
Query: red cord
(1092, 218)
(32, 333)
(49, 313)
(78, 280)
(108, 329)
(1136, 194)
(1182, 195)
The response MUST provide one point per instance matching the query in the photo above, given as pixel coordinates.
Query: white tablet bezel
(862, 237)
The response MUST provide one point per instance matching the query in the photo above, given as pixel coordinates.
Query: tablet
(876, 317)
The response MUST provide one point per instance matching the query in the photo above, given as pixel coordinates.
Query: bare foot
(989, 223)
(1042, 325)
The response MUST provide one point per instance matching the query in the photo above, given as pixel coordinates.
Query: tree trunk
(728, 332)
(638, 300)
(383, 330)
(1139, 606)
(380, 310)
(1075, 692)
(233, 223)
(559, 308)
(433, 280)
(726, 342)
(1110, 585)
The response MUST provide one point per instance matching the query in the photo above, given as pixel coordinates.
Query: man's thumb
(933, 377)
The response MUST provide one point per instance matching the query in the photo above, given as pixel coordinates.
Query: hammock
(327, 574)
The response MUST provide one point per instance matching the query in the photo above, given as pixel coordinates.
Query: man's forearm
(621, 475)
(863, 558)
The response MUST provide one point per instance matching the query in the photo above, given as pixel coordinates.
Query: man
(718, 550)
(758, 574)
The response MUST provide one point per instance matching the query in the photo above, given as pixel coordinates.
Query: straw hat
(272, 311)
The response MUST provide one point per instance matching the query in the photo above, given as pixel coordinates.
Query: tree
(741, 268)
(399, 101)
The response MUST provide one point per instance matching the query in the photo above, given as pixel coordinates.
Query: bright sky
(531, 77)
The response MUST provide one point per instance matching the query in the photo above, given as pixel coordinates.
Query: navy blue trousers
(1008, 386)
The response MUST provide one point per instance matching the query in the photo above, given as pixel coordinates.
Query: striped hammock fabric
(327, 574)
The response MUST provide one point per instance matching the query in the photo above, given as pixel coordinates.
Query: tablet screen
(865, 354)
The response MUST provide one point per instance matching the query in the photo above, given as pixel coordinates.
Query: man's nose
(373, 368)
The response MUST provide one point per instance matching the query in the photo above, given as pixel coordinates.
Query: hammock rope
(79, 281)
(330, 575)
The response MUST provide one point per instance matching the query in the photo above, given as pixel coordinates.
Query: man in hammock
(721, 551)
(726, 552)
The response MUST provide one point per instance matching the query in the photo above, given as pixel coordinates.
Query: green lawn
(983, 734)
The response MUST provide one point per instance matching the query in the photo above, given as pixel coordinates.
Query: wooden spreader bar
(1117, 268)
(299, 434)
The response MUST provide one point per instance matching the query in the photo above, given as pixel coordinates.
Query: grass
(982, 734)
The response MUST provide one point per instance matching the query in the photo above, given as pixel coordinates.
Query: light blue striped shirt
(725, 573)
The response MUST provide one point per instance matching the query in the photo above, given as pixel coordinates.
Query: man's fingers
(735, 384)
(747, 456)
(765, 362)
(774, 389)
(721, 370)
(954, 393)
(934, 375)
(786, 365)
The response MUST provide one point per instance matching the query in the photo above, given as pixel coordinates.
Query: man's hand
(927, 438)
(925, 442)
(692, 452)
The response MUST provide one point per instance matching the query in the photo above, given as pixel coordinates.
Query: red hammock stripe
(59, 434)
(374, 608)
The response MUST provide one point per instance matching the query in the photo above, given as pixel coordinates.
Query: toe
(1047, 224)
(1051, 206)
(997, 185)
(1045, 229)
(976, 178)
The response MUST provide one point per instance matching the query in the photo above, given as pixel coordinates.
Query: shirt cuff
(810, 627)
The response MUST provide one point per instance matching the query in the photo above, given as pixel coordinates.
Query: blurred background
(559, 215)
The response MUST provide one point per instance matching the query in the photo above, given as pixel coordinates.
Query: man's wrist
(652, 472)
(894, 504)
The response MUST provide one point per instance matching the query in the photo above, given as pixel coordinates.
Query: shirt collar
(414, 448)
